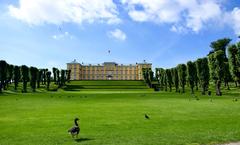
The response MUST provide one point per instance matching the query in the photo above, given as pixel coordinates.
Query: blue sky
(47, 33)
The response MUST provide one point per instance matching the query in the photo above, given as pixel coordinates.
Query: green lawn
(117, 117)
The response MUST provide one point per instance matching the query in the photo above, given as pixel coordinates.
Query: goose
(74, 131)
(146, 116)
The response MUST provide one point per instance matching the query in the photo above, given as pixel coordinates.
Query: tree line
(35, 77)
(221, 65)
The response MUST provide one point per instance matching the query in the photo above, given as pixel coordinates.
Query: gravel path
(236, 143)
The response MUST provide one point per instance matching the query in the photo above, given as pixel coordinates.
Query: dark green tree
(157, 74)
(197, 80)
(33, 77)
(216, 65)
(191, 75)
(227, 75)
(68, 75)
(63, 78)
(165, 81)
(182, 74)
(203, 73)
(58, 77)
(3, 74)
(16, 76)
(221, 44)
(44, 77)
(25, 77)
(169, 79)
(39, 77)
(161, 78)
(234, 63)
(176, 79)
(48, 79)
(150, 77)
(10, 73)
(54, 74)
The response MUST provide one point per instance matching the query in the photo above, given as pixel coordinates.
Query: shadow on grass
(83, 139)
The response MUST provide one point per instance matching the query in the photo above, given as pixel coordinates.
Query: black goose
(74, 131)
(146, 116)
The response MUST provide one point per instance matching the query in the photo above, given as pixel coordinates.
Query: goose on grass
(74, 131)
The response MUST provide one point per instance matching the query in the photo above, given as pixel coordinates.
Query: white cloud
(62, 36)
(158, 11)
(180, 15)
(191, 14)
(235, 20)
(178, 29)
(36, 12)
(117, 34)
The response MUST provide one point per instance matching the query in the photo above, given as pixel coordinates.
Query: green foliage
(165, 81)
(227, 75)
(25, 77)
(147, 76)
(175, 78)
(39, 77)
(63, 78)
(58, 76)
(182, 74)
(10, 73)
(48, 79)
(33, 77)
(216, 65)
(150, 75)
(68, 75)
(16, 76)
(221, 44)
(161, 75)
(191, 74)
(234, 63)
(54, 74)
(169, 79)
(3, 74)
(203, 73)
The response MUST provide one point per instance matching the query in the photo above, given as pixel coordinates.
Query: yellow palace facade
(107, 71)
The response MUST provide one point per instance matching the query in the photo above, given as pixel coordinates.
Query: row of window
(110, 77)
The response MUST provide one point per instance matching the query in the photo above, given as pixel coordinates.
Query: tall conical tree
(39, 77)
(33, 78)
(216, 65)
(150, 77)
(25, 77)
(234, 64)
(182, 74)
(165, 82)
(54, 74)
(58, 77)
(68, 75)
(10, 73)
(63, 78)
(176, 79)
(169, 79)
(203, 73)
(3, 74)
(191, 75)
(16, 76)
(48, 79)
(221, 44)
(161, 77)
(227, 75)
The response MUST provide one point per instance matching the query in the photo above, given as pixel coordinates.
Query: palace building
(107, 71)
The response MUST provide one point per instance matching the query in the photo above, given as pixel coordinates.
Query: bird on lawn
(146, 116)
(74, 131)
(235, 99)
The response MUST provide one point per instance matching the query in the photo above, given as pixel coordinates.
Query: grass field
(117, 117)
